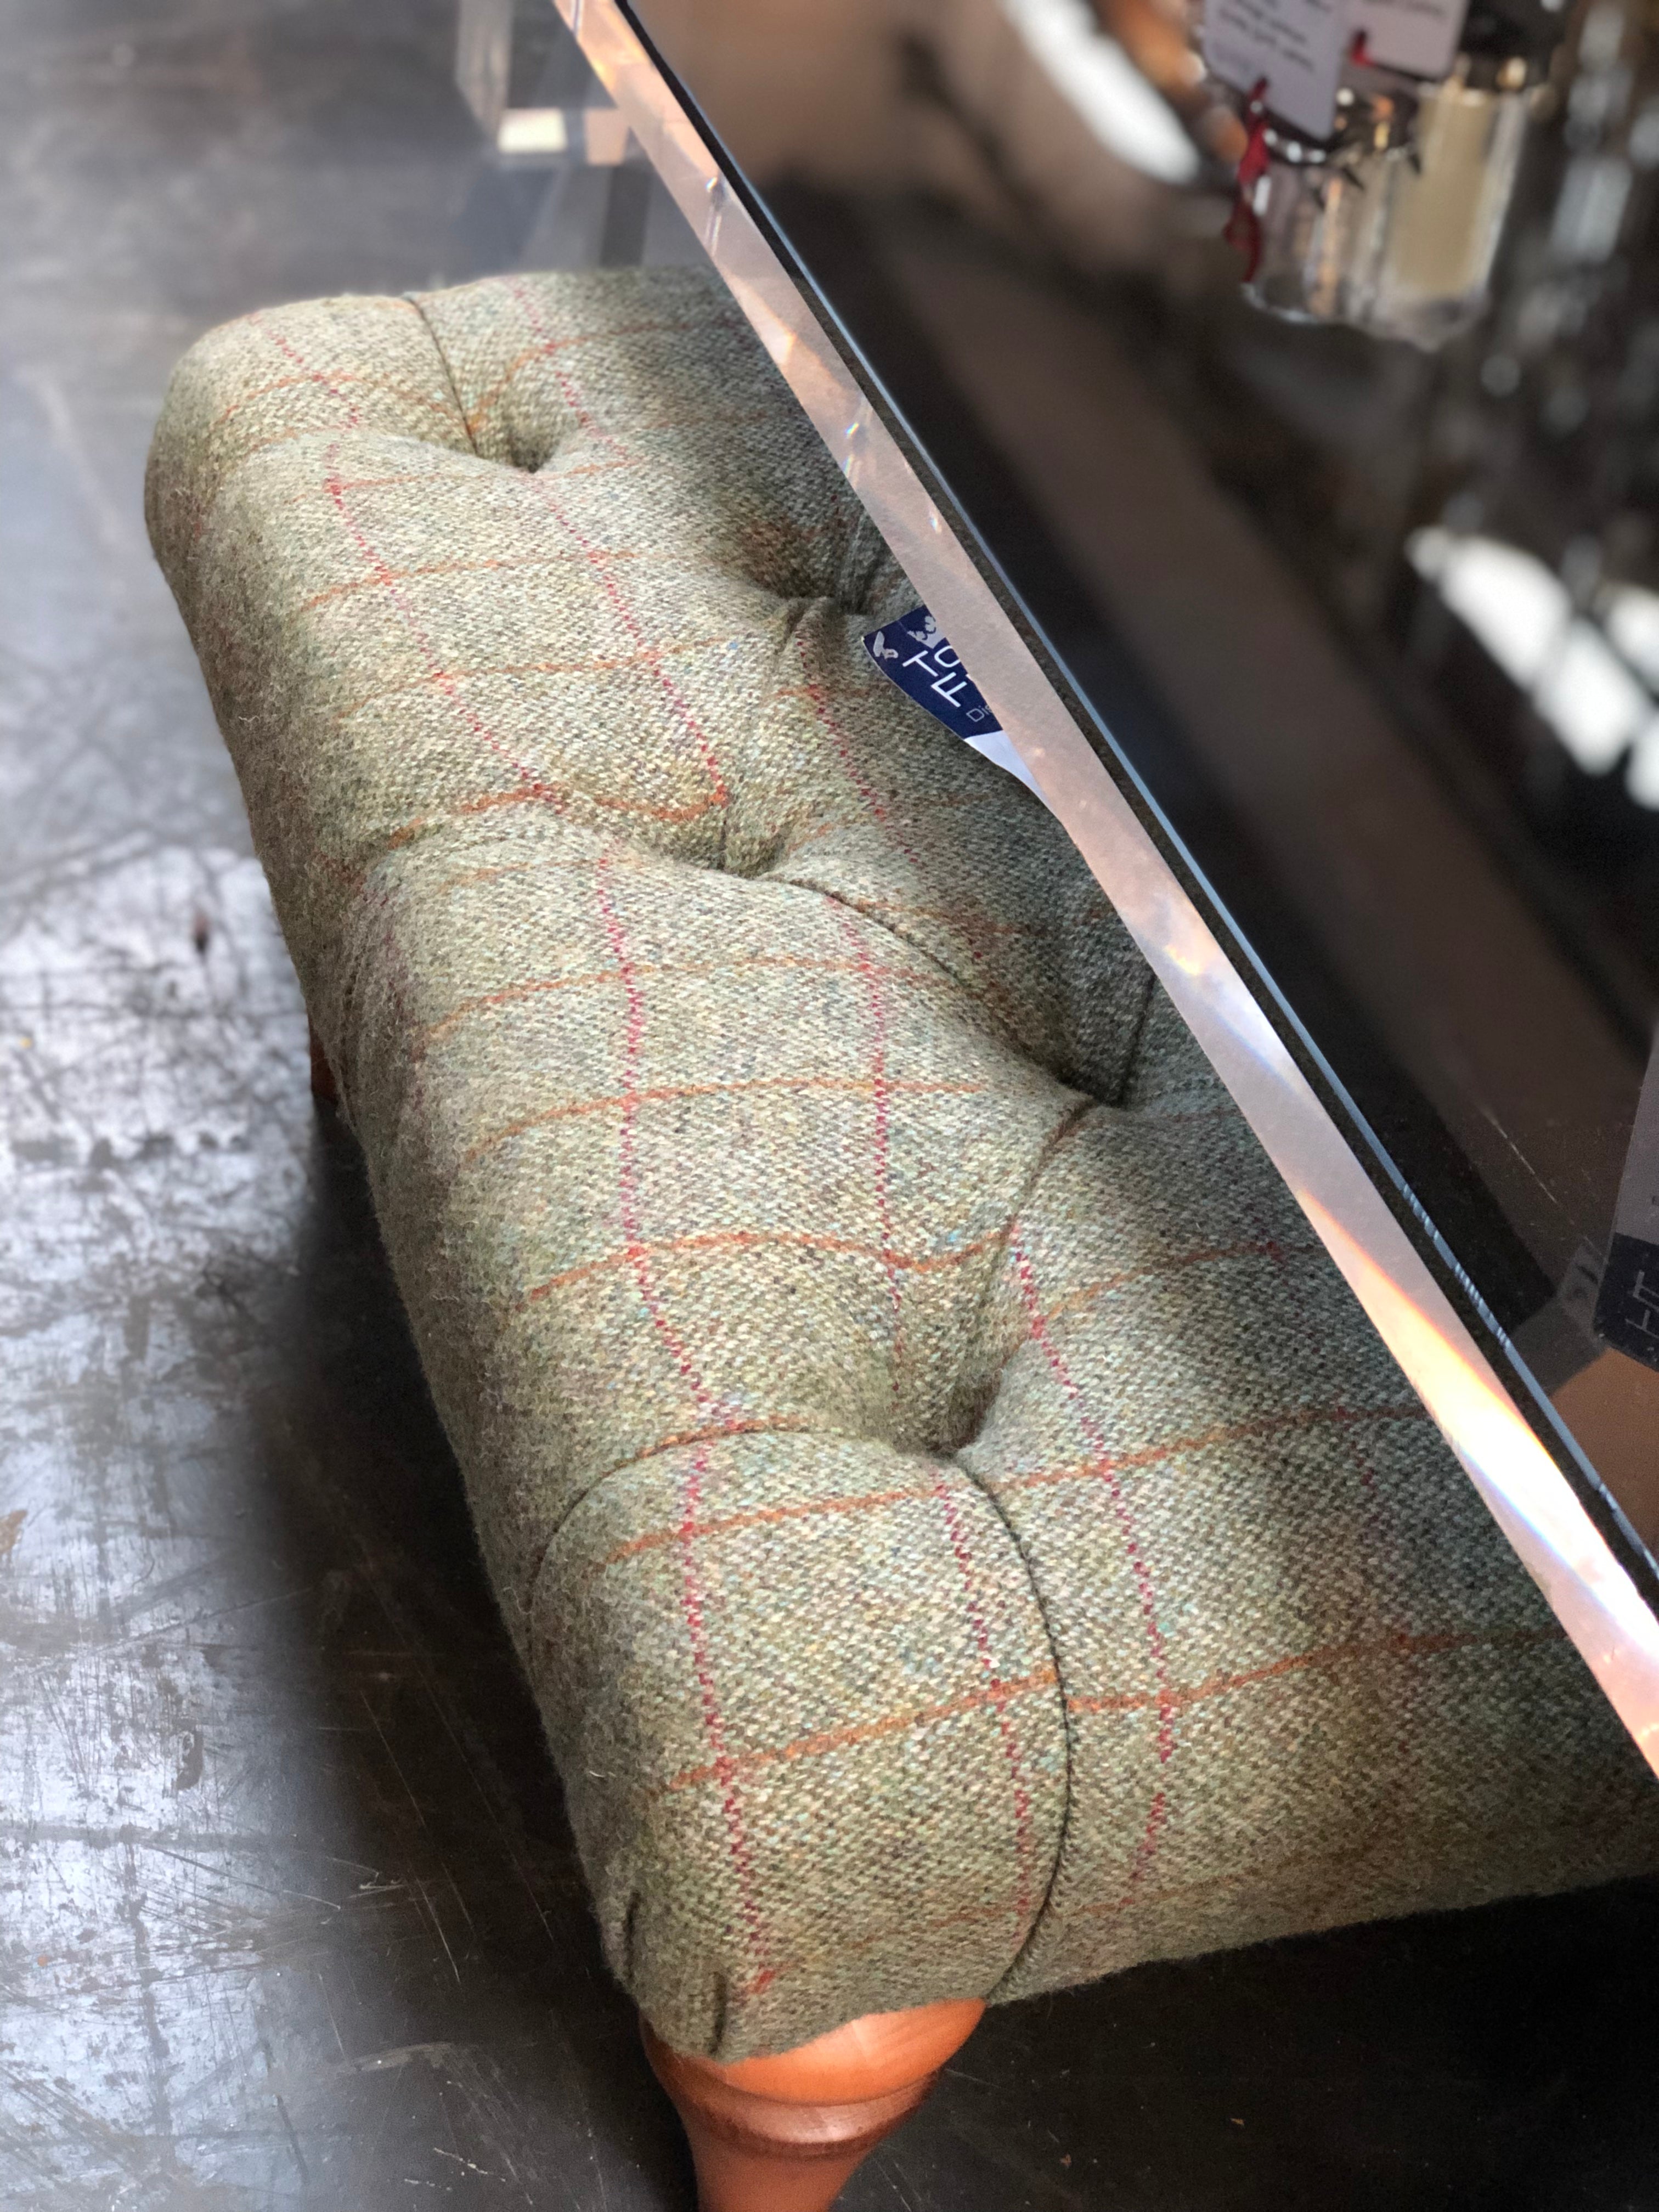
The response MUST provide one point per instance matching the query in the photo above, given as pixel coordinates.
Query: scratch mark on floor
(438, 2151)
(432, 1915)
(374, 1719)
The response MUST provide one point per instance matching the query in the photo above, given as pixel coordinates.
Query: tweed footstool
(963, 1535)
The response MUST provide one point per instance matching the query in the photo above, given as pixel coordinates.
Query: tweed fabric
(963, 1535)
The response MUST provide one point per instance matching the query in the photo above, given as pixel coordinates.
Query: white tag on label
(1297, 46)
(1418, 36)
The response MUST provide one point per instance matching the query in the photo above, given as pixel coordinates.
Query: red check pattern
(963, 1536)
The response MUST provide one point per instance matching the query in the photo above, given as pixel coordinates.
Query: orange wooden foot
(785, 2133)
(324, 1089)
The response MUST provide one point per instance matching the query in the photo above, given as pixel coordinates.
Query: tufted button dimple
(962, 1534)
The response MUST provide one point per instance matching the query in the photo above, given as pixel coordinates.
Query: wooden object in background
(785, 2133)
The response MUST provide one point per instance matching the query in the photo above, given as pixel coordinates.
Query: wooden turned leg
(324, 1087)
(785, 2133)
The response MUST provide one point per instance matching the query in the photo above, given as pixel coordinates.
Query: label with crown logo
(916, 655)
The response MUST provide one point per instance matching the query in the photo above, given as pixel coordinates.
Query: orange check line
(512, 994)
(369, 383)
(1078, 1300)
(445, 568)
(760, 1516)
(995, 1695)
(1400, 1645)
(558, 796)
(320, 490)
(659, 1094)
(711, 1432)
(591, 663)
(545, 347)
(751, 1240)
(1231, 1432)
(823, 1742)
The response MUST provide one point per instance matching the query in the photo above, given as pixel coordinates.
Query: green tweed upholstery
(963, 1536)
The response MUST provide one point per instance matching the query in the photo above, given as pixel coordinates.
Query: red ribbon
(1244, 226)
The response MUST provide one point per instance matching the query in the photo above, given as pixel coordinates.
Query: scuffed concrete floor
(289, 1913)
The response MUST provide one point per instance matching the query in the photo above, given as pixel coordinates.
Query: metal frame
(1531, 1500)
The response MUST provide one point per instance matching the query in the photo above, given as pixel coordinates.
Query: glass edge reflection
(1590, 1590)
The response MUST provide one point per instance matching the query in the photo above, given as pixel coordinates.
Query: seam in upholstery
(1040, 1917)
(1058, 1139)
(821, 1433)
(209, 507)
(769, 685)
(1000, 1029)
(859, 552)
(795, 612)
(449, 374)
(818, 1430)
(966, 982)
(1054, 1143)
(1127, 1079)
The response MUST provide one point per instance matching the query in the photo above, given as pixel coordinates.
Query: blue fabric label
(1627, 1310)
(917, 655)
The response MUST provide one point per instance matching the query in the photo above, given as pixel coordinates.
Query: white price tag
(1418, 36)
(1297, 46)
